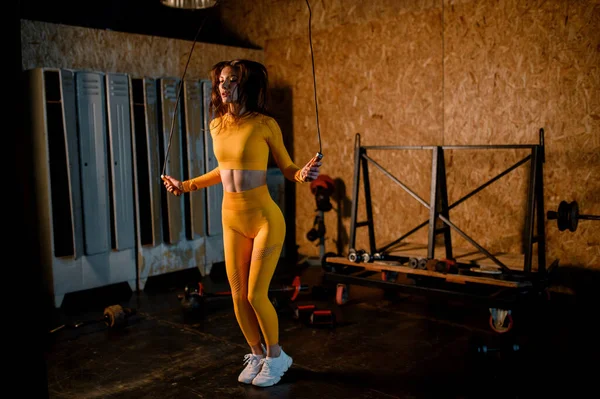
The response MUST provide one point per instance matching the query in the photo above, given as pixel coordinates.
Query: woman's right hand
(173, 185)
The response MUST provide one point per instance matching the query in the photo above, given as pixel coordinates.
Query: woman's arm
(208, 179)
(289, 169)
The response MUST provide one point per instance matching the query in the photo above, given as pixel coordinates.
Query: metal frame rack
(499, 291)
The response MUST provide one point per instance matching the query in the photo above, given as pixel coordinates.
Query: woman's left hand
(310, 171)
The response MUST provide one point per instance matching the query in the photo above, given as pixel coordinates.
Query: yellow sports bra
(244, 145)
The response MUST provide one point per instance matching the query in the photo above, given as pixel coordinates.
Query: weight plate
(573, 215)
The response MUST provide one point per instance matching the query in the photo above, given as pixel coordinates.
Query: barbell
(568, 216)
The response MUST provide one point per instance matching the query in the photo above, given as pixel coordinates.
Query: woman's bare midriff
(235, 181)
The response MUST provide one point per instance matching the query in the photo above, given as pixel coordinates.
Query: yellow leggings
(253, 235)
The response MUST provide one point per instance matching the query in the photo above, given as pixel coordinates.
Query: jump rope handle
(177, 194)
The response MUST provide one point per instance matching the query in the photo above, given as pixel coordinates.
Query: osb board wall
(61, 46)
(442, 72)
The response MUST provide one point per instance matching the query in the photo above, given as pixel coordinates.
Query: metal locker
(91, 117)
(154, 169)
(53, 127)
(194, 108)
(68, 128)
(173, 223)
(67, 79)
(147, 168)
(214, 193)
(119, 129)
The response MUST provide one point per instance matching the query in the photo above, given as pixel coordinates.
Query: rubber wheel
(114, 316)
(341, 294)
(389, 276)
(505, 328)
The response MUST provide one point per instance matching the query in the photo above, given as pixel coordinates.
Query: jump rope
(319, 154)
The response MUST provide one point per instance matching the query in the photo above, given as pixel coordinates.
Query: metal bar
(489, 182)
(541, 232)
(356, 182)
(588, 217)
(485, 301)
(368, 203)
(479, 247)
(461, 200)
(451, 147)
(444, 209)
(529, 215)
(433, 201)
(388, 174)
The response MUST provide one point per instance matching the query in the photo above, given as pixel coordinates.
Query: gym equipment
(195, 295)
(484, 349)
(322, 188)
(114, 316)
(568, 216)
(445, 266)
(356, 256)
(324, 317)
(342, 294)
(363, 256)
(501, 320)
(418, 263)
(303, 312)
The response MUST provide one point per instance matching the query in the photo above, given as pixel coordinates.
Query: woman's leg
(265, 257)
(238, 252)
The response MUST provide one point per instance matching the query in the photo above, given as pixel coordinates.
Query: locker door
(91, 117)
(172, 144)
(72, 156)
(214, 193)
(121, 173)
(144, 108)
(195, 154)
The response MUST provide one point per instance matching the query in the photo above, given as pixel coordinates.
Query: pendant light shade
(189, 4)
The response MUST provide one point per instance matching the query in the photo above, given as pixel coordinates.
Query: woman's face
(228, 85)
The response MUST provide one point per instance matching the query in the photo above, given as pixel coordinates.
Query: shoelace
(248, 358)
(266, 365)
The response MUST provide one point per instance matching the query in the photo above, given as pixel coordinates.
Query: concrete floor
(382, 346)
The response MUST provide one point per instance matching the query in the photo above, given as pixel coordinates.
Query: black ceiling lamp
(189, 4)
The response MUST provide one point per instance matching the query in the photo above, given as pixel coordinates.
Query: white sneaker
(253, 366)
(273, 368)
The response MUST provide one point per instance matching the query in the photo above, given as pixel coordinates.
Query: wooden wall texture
(61, 46)
(441, 72)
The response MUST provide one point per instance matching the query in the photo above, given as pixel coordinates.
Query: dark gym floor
(381, 346)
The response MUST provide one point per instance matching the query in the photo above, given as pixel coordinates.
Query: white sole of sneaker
(289, 364)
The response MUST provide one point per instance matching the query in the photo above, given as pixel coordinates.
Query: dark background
(146, 17)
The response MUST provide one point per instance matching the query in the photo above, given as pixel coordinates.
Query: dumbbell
(322, 318)
(114, 317)
(356, 256)
(445, 266)
(568, 216)
(418, 263)
(303, 312)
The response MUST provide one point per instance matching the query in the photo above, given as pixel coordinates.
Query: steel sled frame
(499, 292)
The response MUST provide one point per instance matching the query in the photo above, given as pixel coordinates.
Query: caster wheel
(413, 263)
(502, 326)
(388, 276)
(366, 257)
(341, 294)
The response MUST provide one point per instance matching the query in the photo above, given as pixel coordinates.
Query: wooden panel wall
(62, 46)
(442, 72)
